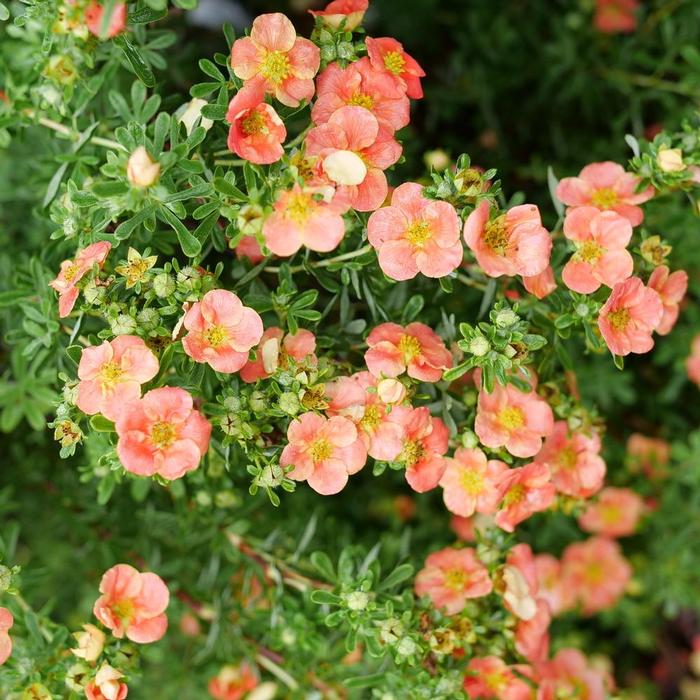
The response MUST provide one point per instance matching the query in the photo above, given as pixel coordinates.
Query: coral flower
(519, 578)
(542, 284)
(275, 351)
(111, 375)
(525, 490)
(671, 288)
(532, 636)
(387, 55)
(353, 150)
(415, 234)
(248, 247)
(285, 62)
(616, 513)
(257, 133)
(106, 685)
(615, 16)
(233, 682)
(6, 622)
(415, 349)
(133, 604)
(574, 461)
(72, 271)
(162, 433)
(323, 451)
(647, 454)
(117, 22)
(629, 317)
(692, 363)
(301, 219)
(596, 573)
(514, 419)
(601, 255)
(569, 675)
(221, 331)
(514, 243)
(549, 584)
(351, 12)
(361, 85)
(489, 677)
(470, 483)
(451, 577)
(91, 642)
(606, 186)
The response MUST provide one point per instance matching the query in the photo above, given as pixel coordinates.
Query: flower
(470, 483)
(514, 243)
(606, 186)
(351, 12)
(573, 460)
(106, 685)
(451, 577)
(111, 375)
(596, 573)
(136, 267)
(6, 622)
(387, 55)
(670, 160)
(353, 149)
(650, 455)
(141, 170)
(549, 584)
(221, 331)
(117, 21)
(162, 433)
(542, 284)
(671, 288)
(692, 363)
(248, 247)
(601, 255)
(532, 636)
(415, 349)
(616, 513)
(629, 317)
(190, 114)
(361, 85)
(233, 682)
(615, 16)
(569, 674)
(525, 490)
(284, 62)
(72, 271)
(514, 419)
(415, 234)
(520, 582)
(91, 642)
(276, 349)
(323, 451)
(133, 604)
(490, 677)
(257, 133)
(301, 219)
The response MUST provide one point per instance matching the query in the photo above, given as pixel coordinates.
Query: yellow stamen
(456, 579)
(71, 272)
(320, 449)
(361, 99)
(567, 459)
(299, 208)
(409, 347)
(372, 417)
(605, 198)
(163, 434)
(419, 233)
(254, 123)
(411, 453)
(275, 67)
(215, 336)
(511, 418)
(394, 62)
(514, 496)
(110, 374)
(124, 610)
(496, 235)
(589, 252)
(619, 319)
(472, 482)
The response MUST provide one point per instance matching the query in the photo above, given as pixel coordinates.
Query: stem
(649, 81)
(276, 670)
(74, 136)
(469, 282)
(299, 138)
(326, 261)
(228, 161)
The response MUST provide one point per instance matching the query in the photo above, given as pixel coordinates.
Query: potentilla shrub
(244, 294)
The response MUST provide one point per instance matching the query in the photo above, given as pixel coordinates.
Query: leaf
(189, 244)
(487, 299)
(126, 228)
(139, 66)
(214, 112)
(322, 563)
(322, 597)
(143, 15)
(4, 13)
(189, 193)
(225, 187)
(54, 184)
(99, 423)
(209, 68)
(552, 183)
(372, 681)
(633, 144)
(400, 574)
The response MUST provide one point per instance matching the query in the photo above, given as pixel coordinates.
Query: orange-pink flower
(6, 622)
(616, 16)
(93, 19)
(532, 635)
(338, 11)
(248, 247)
(415, 234)
(257, 133)
(353, 150)
(276, 349)
(415, 349)
(606, 186)
(221, 331)
(671, 288)
(470, 483)
(549, 584)
(106, 685)
(162, 433)
(524, 491)
(650, 455)
(133, 604)
(542, 284)
(285, 63)
(489, 677)
(233, 682)
(569, 674)
(72, 271)
(692, 363)
(629, 317)
(111, 375)
(616, 513)
(387, 55)
(300, 218)
(451, 577)
(323, 451)
(513, 243)
(601, 255)
(519, 577)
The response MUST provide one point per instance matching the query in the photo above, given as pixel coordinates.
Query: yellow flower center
(299, 208)
(124, 610)
(254, 123)
(419, 233)
(275, 67)
(595, 573)
(472, 482)
(163, 434)
(71, 272)
(496, 235)
(110, 374)
(496, 681)
(610, 514)
(412, 452)
(320, 449)
(567, 459)
(514, 496)
(511, 418)
(604, 198)
(409, 347)
(372, 417)
(619, 319)
(456, 579)
(394, 62)
(215, 336)
(589, 252)
(361, 99)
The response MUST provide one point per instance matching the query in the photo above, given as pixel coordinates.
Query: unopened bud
(479, 346)
(505, 318)
(391, 390)
(163, 285)
(123, 325)
(670, 160)
(289, 403)
(141, 170)
(357, 600)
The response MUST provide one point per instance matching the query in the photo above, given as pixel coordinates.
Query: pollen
(412, 452)
(394, 62)
(589, 252)
(605, 198)
(163, 434)
(511, 418)
(110, 374)
(619, 319)
(215, 336)
(409, 346)
(456, 579)
(516, 494)
(372, 417)
(124, 610)
(419, 233)
(320, 449)
(567, 459)
(472, 482)
(496, 235)
(71, 272)
(275, 67)
(299, 208)
(361, 99)
(254, 123)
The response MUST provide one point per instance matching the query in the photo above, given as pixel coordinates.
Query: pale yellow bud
(670, 160)
(141, 170)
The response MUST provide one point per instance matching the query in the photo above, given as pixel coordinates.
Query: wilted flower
(91, 641)
(106, 685)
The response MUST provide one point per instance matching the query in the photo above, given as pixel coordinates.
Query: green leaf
(552, 183)
(99, 423)
(139, 66)
(209, 68)
(4, 13)
(143, 15)
(400, 574)
(322, 597)
(189, 244)
(225, 187)
(374, 680)
(126, 228)
(322, 563)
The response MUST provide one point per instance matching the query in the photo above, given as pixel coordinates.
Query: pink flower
(361, 85)
(338, 11)
(323, 451)
(489, 677)
(221, 331)
(464, 528)
(415, 349)
(514, 243)
(671, 289)
(353, 149)
(285, 62)
(525, 490)
(451, 577)
(111, 375)
(568, 674)
(162, 433)
(616, 513)
(470, 483)
(542, 284)
(510, 418)
(415, 234)
(606, 186)
(248, 247)
(257, 133)
(650, 455)
(549, 584)
(692, 363)
(233, 682)
(72, 271)
(107, 685)
(520, 582)
(574, 461)
(601, 255)
(300, 219)
(276, 349)
(616, 16)
(6, 622)
(532, 636)
(596, 573)
(133, 604)
(93, 19)
(387, 55)
(629, 317)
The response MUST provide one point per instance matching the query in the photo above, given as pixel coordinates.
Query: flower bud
(76, 677)
(189, 625)
(437, 160)
(61, 70)
(479, 346)
(250, 219)
(390, 630)
(191, 113)
(289, 403)
(357, 600)
(141, 171)
(123, 325)
(442, 640)
(67, 433)
(94, 293)
(225, 499)
(187, 276)
(391, 390)
(91, 642)
(469, 439)
(506, 318)
(345, 167)
(5, 578)
(148, 319)
(108, 683)
(654, 250)
(36, 691)
(163, 285)
(203, 499)
(670, 160)
(406, 647)
(257, 402)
